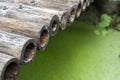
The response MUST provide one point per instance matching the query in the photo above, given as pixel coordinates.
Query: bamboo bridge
(27, 25)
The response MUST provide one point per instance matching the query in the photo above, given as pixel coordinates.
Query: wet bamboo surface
(26, 25)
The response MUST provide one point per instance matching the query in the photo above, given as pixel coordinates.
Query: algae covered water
(77, 54)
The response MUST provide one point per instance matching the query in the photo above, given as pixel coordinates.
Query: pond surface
(77, 54)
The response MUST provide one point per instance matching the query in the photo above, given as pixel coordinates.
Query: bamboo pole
(51, 20)
(40, 33)
(23, 48)
(61, 14)
(9, 67)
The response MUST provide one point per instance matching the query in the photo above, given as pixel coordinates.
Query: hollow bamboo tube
(51, 20)
(61, 14)
(40, 33)
(79, 6)
(23, 48)
(70, 9)
(9, 67)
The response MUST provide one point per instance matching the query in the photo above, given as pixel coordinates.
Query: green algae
(77, 54)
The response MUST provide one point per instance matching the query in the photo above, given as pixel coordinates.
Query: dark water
(77, 54)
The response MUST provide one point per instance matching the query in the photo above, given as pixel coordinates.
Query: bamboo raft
(27, 25)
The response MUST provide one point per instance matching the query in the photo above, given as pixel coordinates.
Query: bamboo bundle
(9, 67)
(51, 20)
(70, 9)
(40, 33)
(23, 48)
(22, 26)
(61, 14)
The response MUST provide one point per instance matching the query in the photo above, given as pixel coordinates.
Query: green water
(77, 54)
